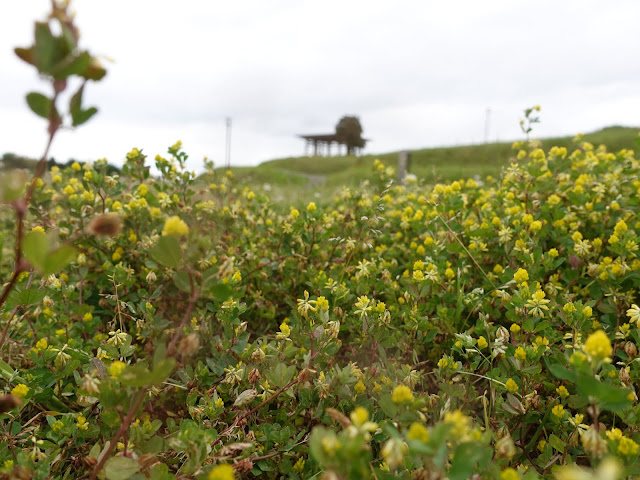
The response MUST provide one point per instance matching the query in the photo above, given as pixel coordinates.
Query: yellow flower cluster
(402, 394)
(116, 368)
(418, 431)
(175, 226)
(222, 472)
(511, 386)
(20, 390)
(598, 346)
(521, 275)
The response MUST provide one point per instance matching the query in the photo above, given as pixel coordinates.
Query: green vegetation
(430, 165)
(166, 328)
(171, 327)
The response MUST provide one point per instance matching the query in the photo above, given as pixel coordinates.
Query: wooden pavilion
(321, 144)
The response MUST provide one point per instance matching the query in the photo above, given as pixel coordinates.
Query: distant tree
(349, 132)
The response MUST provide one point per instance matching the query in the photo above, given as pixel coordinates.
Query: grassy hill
(295, 178)
(298, 174)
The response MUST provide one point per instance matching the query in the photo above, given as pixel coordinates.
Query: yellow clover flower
(511, 386)
(20, 390)
(175, 226)
(521, 275)
(222, 472)
(417, 431)
(598, 345)
(402, 394)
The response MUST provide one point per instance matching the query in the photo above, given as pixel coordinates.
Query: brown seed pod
(107, 224)
(243, 466)
(255, 376)
(631, 349)
(9, 402)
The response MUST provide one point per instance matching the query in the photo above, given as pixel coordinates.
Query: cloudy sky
(418, 73)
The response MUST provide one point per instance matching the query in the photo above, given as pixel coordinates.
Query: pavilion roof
(328, 137)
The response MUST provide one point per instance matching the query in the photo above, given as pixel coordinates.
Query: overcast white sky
(418, 73)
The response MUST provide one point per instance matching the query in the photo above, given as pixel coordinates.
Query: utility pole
(487, 119)
(227, 153)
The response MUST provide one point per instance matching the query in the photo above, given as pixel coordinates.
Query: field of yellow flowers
(172, 328)
(169, 327)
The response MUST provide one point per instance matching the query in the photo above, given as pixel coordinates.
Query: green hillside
(297, 174)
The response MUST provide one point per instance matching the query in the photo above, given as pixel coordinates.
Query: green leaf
(45, 48)
(562, 372)
(609, 397)
(35, 246)
(78, 115)
(6, 371)
(217, 291)
(72, 64)
(389, 408)
(69, 39)
(167, 251)
(58, 259)
(315, 442)
(39, 104)
(160, 471)
(556, 443)
(281, 375)
(465, 459)
(162, 370)
(95, 451)
(154, 445)
(95, 71)
(30, 296)
(75, 104)
(137, 375)
(83, 116)
(26, 54)
(181, 279)
(120, 468)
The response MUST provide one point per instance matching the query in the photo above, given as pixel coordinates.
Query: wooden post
(403, 166)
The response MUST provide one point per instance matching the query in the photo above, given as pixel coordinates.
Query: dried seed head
(631, 349)
(624, 376)
(189, 345)
(503, 334)
(254, 376)
(505, 448)
(593, 443)
(107, 224)
(536, 401)
(151, 277)
(243, 466)
(258, 355)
